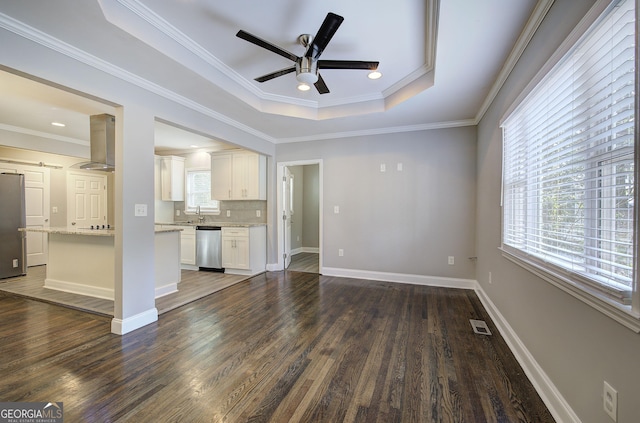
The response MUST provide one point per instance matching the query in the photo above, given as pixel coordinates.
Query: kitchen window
(198, 192)
(569, 165)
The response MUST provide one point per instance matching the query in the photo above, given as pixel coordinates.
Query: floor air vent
(480, 327)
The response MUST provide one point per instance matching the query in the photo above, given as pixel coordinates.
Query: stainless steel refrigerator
(13, 243)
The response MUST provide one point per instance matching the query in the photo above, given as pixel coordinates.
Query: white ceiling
(189, 47)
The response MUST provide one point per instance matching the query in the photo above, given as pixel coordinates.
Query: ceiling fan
(307, 67)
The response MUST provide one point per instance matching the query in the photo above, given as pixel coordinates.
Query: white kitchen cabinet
(221, 176)
(188, 245)
(244, 250)
(239, 175)
(172, 178)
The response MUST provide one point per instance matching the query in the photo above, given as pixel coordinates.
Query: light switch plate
(140, 210)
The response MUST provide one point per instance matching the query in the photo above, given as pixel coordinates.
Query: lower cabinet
(244, 250)
(188, 245)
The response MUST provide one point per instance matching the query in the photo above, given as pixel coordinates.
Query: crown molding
(363, 104)
(537, 16)
(381, 131)
(144, 24)
(40, 134)
(39, 37)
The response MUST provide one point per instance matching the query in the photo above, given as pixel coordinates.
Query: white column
(134, 239)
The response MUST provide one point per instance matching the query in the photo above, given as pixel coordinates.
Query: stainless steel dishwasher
(209, 248)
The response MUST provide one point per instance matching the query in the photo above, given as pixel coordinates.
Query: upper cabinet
(172, 178)
(238, 175)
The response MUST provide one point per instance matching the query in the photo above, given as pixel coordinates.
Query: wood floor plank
(193, 285)
(305, 262)
(278, 347)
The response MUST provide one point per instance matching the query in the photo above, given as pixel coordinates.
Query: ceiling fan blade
(321, 86)
(275, 74)
(328, 28)
(347, 64)
(267, 45)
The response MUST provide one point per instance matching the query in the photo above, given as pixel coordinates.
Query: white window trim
(628, 316)
(204, 211)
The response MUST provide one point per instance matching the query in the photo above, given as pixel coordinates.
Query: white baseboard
(161, 291)
(189, 266)
(274, 267)
(75, 288)
(314, 250)
(400, 278)
(553, 399)
(120, 326)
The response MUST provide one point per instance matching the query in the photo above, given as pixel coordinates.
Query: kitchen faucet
(200, 216)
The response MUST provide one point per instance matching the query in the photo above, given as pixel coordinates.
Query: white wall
(576, 346)
(404, 222)
(310, 206)
(136, 111)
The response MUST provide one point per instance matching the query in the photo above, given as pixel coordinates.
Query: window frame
(581, 288)
(188, 208)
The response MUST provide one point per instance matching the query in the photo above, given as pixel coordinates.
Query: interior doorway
(299, 198)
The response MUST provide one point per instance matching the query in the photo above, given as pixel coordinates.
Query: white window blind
(198, 188)
(568, 158)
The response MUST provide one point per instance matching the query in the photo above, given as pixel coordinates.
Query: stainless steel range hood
(102, 139)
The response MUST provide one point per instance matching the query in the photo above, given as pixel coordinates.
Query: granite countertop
(72, 230)
(221, 224)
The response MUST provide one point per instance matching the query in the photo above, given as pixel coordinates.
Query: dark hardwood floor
(193, 285)
(305, 262)
(279, 347)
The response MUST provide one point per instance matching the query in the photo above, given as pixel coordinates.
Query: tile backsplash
(241, 211)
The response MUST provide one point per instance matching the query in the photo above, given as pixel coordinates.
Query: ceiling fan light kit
(307, 70)
(307, 67)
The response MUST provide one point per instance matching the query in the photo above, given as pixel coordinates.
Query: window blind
(199, 191)
(568, 160)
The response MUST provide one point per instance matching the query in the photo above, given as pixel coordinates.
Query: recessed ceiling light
(62, 125)
(374, 75)
(303, 87)
(193, 146)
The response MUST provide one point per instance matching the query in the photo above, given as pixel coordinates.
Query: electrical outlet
(610, 401)
(177, 212)
(228, 213)
(15, 263)
(399, 167)
(258, 213)
(336, 209)
(340, 252)
(452, 260)
(383, 167)
(54, 210)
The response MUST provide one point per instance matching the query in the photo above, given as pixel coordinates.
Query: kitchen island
(82, 261)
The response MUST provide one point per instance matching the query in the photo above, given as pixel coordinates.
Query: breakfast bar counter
(82, 260)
